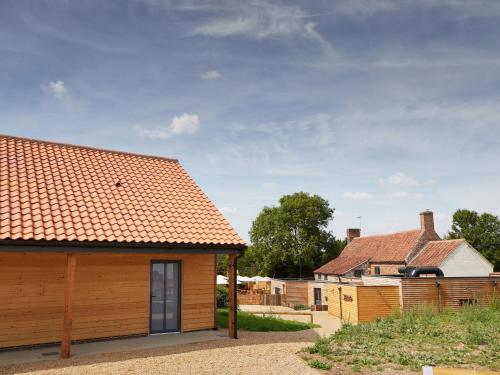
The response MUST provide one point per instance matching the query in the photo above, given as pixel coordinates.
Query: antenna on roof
(359, 217)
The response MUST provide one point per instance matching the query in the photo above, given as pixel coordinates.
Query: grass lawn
(252, 322)
(468, 338)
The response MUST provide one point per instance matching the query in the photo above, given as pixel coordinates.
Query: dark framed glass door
(317, 296)
(165, 305)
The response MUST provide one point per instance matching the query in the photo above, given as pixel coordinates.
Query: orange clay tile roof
(435, 252)
(341, 265)
(394, 247)
(51, 191)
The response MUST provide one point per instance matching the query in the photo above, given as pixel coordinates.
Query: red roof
(435, 252)
(51, 191)
(341, 265)
(394, 247)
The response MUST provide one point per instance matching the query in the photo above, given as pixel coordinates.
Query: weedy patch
(466, 338)
(314, 363)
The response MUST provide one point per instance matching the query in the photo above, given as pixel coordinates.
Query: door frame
(179, 293)
(320, 296)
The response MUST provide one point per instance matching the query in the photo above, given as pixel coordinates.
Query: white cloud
(405, 195)
(228, 210)
(185, 124)
(179, 125)
(357, 195)
(399, 179)
(261, 19)
(211, 75)
(55, 88)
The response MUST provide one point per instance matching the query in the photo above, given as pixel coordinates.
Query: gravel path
(254, 353)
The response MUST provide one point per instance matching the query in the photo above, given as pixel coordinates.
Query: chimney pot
(352, 233)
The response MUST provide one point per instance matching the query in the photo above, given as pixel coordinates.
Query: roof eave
(119, 247)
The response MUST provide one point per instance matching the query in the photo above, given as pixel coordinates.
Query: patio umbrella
(244, 279)
(221, 280)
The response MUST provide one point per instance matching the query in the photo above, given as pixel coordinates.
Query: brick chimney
(427, 225)
(352, 233)
(427, 221)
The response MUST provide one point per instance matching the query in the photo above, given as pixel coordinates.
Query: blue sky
(385, 108)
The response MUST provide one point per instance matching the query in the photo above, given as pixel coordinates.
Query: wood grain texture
(453, 291)
(377, 302)
(233, 333)
(69, 288)
(355, 303)
(111, 295)
(297, 293)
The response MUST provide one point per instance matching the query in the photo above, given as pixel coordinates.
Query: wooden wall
(296, 293)
(111, 295)
(355, 303)
(452, 291)
(343, 302)
(377, 302)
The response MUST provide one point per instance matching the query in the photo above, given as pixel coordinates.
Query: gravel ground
(254, 353)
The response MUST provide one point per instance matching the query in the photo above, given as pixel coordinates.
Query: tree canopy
(482, 231)
(291, 239)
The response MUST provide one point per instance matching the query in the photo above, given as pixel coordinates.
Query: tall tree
(482, 231)
(222, 264)
(291, 239)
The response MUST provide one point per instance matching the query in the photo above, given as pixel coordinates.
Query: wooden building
(97, 244)
(356, 303)
(297, 292)
(381, 296)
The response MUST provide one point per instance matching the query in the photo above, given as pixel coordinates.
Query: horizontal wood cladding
(297, 293)
(451, 294)
(111, 296)
(377, 302)
(343, 302)
(357, 303)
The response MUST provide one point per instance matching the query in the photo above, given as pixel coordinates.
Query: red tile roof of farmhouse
(341, 265)
(435, 252)
(394, 247)
(51, 191)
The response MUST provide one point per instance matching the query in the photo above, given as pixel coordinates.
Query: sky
(385, 108)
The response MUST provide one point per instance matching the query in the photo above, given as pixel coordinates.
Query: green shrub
(300, 306)
(321, 347)
(222, 296)
(319, 365)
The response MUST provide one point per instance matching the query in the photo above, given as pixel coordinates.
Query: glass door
(165, 297)
(317, 296)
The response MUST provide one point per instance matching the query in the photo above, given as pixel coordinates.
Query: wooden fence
(251, 298)
(297, 292)
(448, 292)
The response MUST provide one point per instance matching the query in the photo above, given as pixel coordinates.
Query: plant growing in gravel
(321, 347)
(465, 338)
(314, 363)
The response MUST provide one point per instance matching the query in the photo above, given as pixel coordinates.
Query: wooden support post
(68, 305)
(215, 292)
(233, 304)
(438, 295)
